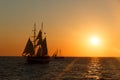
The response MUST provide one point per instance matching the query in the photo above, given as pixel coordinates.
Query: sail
(39, 37)
(55, 53)
(29, 49)
(44, 47)
(39, 53)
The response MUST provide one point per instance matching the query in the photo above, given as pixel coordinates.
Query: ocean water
(83, 68)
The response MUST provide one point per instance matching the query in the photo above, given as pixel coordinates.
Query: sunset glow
(77, 27)
(94, 41)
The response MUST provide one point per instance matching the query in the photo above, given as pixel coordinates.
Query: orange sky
(69, 25)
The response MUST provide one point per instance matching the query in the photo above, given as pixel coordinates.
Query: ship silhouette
(36, 50)
(57, 55)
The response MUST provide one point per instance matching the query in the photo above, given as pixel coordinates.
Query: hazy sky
(69, 24)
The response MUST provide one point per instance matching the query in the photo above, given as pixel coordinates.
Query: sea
(69, 68)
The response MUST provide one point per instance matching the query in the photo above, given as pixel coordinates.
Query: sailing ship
(57, 54)
(36, 51)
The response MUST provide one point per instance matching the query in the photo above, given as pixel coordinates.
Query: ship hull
(59, 57)
(38, 60)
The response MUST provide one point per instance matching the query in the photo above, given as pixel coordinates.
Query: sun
(94, 40)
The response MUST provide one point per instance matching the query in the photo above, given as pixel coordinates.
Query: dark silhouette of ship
(57, 55)
(36, 51)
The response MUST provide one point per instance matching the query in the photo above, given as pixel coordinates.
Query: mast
(42, 27)
(34, 36)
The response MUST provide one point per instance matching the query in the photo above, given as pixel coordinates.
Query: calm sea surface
(84, 68)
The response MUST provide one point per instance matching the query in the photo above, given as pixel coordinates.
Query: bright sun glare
(94, 41)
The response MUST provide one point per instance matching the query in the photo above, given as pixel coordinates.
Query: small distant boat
(57, 54)
(36, 51)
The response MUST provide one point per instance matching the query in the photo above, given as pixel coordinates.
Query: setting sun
(94, 41)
